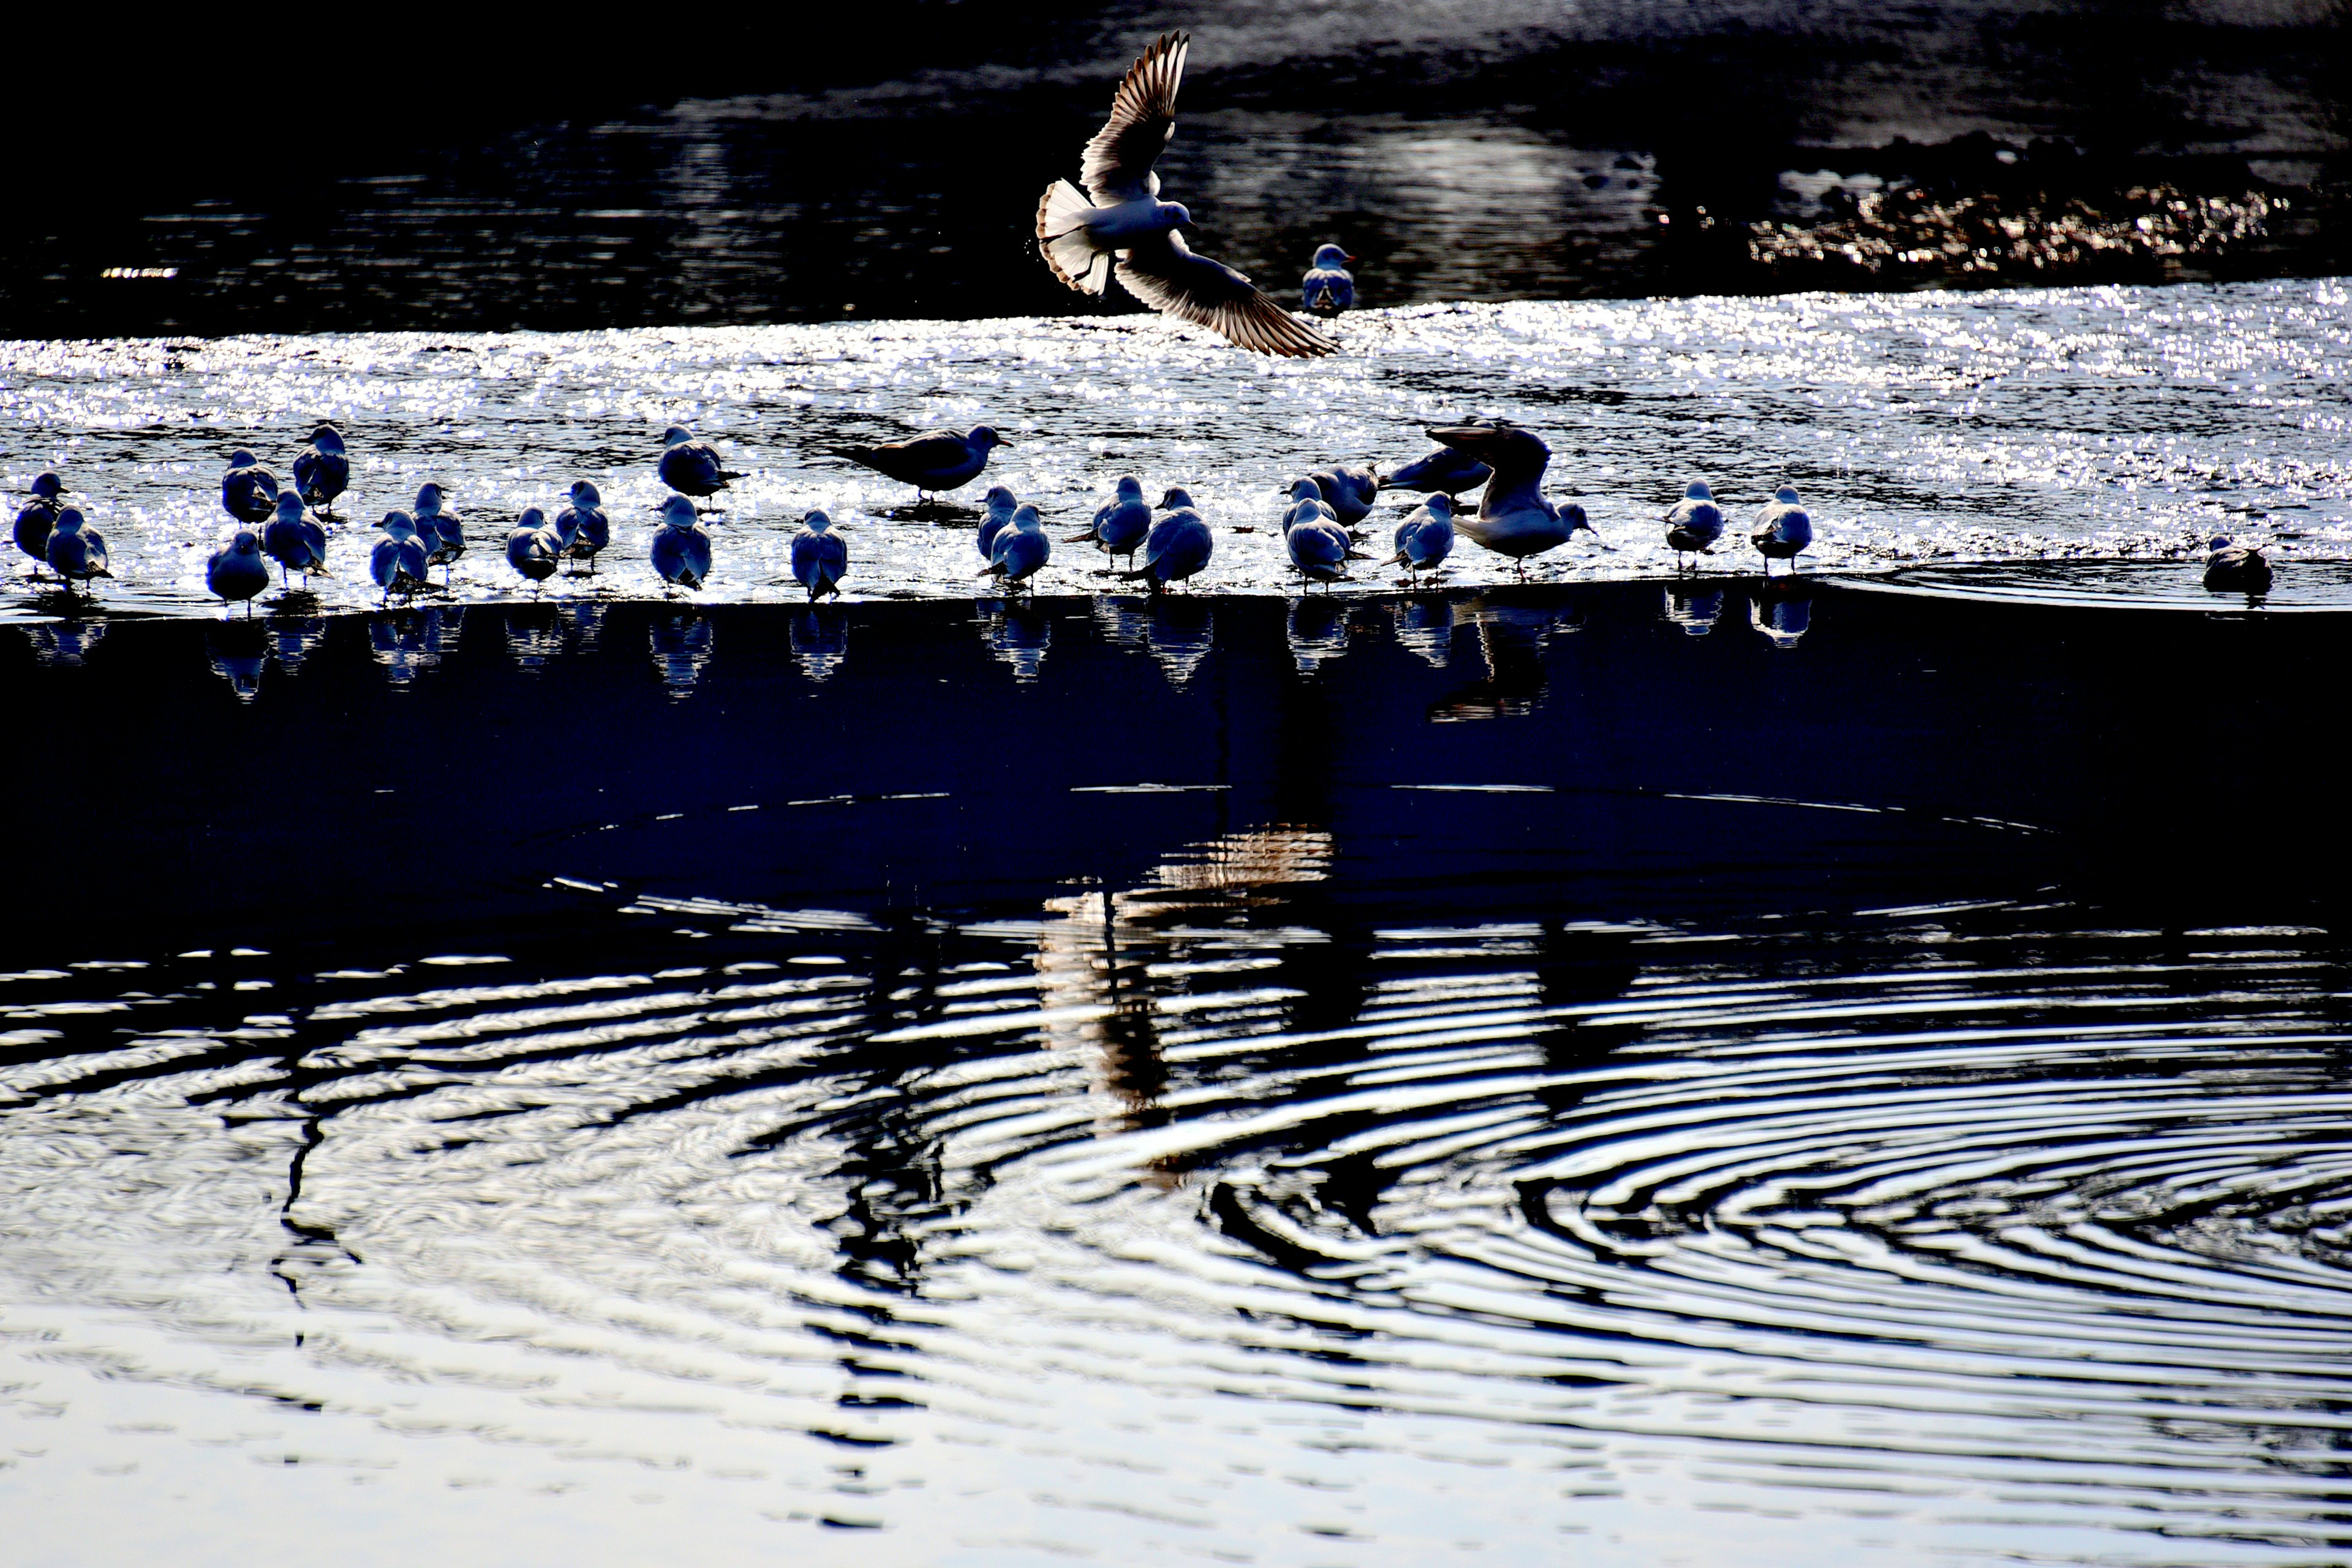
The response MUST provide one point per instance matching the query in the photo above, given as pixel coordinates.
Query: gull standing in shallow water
(237, 572)
(934, 460)
(2236, 568)
(1179, 546)
(1695, 523)
(1349, 492)
(582, 525)
(1120, 217)
(681, 550)
(820, 560)
(1002, 504)
(1328, 287)
(1425, 538)
(1022, 549)
(38, 519)
(1513, 519)
(322, 470)
(534, 548)
(440, 531)
(398, 561)
(1782, 529)
(1120, 527)
(293, 540)
(248, 490)
(1306, 505)
(691, 467)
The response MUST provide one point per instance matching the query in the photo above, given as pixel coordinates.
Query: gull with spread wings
(1120, 217)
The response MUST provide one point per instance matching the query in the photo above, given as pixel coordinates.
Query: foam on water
(2032, 426)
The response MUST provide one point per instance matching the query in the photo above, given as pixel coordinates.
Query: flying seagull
(1120, 215)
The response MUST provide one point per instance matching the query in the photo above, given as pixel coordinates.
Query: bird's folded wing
(1167, 276)
(1117, 164)
(933, 449)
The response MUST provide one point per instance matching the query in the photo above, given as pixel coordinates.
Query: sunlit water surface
(2032, 426)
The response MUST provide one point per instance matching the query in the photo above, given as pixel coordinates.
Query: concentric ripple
(1235, 1214)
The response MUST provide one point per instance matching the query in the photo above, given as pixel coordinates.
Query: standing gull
(1306, 505)
(2236, 568)
(1120, 527)
(322, 470)
(1002, 504)
(934, 460)
(237, 572)
(76, 553)
(1315, 543)
(293, 540)
(1695, 523)
(820, 559)
(1328, 287)
(582, 525)
(441, 532)
(1513, 519)
(1179, 546)
(248, 490)
(1022, 549)
(1425, 538)
(397, 562)
(1120, 218)
(534, 548)
(38, 519)
(681, 549)
(690, 465)
(1782, 529)
(1349, 492)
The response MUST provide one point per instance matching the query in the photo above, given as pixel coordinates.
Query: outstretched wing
(1116, 165)
(1167, 276)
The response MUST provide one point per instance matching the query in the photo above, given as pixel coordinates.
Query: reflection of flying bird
(1782, 529)
(1179, 546)
(2236, 568)
(819, 557)
(1120, 218)
(1513, 518)
(237, 572)
(934, 460)
(1328, 287)
(1695, 523)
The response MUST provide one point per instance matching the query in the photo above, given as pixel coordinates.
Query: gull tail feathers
(1062, 238)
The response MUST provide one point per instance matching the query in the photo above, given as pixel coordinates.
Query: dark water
(888, 162)
(1492, 1077)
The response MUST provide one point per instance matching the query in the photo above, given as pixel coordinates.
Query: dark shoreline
(430, 783)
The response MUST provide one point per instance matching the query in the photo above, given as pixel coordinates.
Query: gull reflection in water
(237, 650)
(1112, 966)
(534, 635)
(1318, 632)
(1180, 631)
(294, 636)
(1693, 606)
(1782, 615)
(681, 642)
(1424, 625)
(65, 642)
(819, 638)
(1019, 634)
(1123, 620)
(1512, 630)
(583, 622)
(409, 641)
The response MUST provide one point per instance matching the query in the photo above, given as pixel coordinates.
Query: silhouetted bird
(820, 560)
(1425, 538)
(934, 460)
(248, 490)
(1318, 547)
(584, 528)
(2236, 568)
(1328, 287)
(1022, 549)
(438, 528)
(1349, 492)
(237, 572)
(1782, 529)
(1178, 546)
(1695, 523)
(38, 519)
(691, 467)
(1513, 518)
(76, 553)
(534, 548)
(681, 550)
(292, 540)
(322, 470)
(398, 561)
(1118, 528)
(1002, 504)
(1120, 223)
